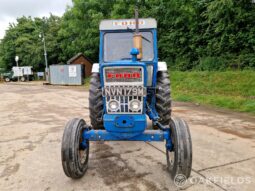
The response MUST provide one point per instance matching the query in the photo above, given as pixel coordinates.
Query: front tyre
(163, 98)
(179, 159)
(7, 79)
(74, 154)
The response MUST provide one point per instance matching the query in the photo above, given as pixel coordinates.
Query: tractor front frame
(147, 136)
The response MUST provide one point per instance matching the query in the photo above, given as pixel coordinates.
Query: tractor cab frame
(128, 124)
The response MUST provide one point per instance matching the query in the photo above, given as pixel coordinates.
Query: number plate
(124, 91)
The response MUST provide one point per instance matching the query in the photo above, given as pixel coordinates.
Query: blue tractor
(128, 85)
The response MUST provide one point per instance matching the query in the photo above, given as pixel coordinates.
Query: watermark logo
(180, 180)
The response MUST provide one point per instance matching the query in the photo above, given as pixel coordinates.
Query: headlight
(113, 105)
(135, 105)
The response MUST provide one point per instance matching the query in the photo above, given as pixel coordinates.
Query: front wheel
(74, 153)
(7, 79)
(179, 158)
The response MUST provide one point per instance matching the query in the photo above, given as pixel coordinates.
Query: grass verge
(86, 83)
(231, 89)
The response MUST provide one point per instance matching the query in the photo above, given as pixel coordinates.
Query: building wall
(86, 63)
(64, 75)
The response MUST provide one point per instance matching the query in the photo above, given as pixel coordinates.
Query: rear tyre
(179, 159)
(7, 79)
(163, 98)
(96, 105)
(74, 155)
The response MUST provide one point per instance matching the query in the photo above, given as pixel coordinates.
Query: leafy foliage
(194, 34)
(22, 39)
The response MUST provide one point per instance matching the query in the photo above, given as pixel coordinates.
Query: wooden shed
(82, 59)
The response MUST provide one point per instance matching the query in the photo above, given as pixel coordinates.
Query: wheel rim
(82, 156)
(171, 154)
(82, 152)
(171, 158)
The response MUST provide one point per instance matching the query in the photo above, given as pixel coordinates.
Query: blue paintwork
(134, 52)
(130, 127)
(148, 135)
(139, 122)
(154, 62)
(133, 125)
(123, 63)
(152, 114)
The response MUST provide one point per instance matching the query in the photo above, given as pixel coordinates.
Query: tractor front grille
(125, 85)
(124, 102)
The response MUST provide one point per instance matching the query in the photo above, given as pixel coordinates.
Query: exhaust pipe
(137, 39)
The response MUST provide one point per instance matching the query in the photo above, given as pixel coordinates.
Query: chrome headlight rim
(113, 109)
(130, 105)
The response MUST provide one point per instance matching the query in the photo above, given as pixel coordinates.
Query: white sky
(11, 9)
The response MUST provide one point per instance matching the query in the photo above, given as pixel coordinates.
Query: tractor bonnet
(123, 24)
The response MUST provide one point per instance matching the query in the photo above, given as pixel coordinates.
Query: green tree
(79, 28)
(22, 39)
(192, 34)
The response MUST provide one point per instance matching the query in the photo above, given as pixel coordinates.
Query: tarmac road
(32, 119)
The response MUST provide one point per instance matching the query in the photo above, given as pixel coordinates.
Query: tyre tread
(96, 104)
(163, 97)
(183, 148)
